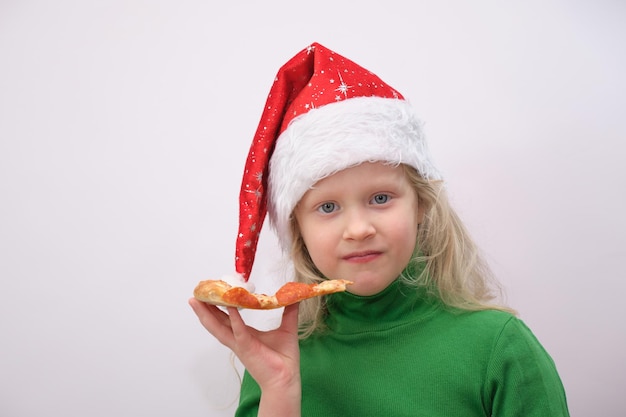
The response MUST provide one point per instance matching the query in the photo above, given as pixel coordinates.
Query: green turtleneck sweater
(400, 353)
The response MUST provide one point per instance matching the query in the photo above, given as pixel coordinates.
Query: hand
(272, 358)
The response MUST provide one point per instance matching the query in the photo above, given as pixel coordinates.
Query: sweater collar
(397, 304)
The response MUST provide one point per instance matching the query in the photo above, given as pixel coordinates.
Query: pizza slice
(221, 293)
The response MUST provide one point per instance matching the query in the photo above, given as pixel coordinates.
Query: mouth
(362, 257)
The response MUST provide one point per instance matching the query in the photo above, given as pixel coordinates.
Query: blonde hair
(446, 262)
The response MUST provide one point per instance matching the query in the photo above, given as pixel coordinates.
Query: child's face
(360, 224)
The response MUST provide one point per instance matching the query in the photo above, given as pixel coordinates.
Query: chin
(367, 289)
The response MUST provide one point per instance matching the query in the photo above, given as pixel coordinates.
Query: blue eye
(327, 207)
(380, 199)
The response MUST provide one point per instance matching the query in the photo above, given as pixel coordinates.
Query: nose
(358, 225)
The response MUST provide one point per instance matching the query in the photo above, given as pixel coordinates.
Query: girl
(353, 194)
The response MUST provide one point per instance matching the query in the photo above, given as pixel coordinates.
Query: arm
(272, 358)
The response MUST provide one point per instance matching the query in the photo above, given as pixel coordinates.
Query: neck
(396, 304)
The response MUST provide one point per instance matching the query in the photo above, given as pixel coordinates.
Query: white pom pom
(236, 280)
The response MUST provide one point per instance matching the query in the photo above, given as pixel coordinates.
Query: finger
(214, 320)
(244, 335)
(236, 322)
(290, 318)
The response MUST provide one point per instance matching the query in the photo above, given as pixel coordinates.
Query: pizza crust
(220, 293)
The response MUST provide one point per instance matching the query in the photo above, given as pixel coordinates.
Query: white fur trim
(236, 280)
(337, 136)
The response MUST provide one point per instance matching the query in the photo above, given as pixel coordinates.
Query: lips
(362, 257)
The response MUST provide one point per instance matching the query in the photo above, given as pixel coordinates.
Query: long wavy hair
(451, 266)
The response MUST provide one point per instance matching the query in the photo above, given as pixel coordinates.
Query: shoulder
(516, 342)
(493, 332)
(503, 333)
(505, 330)
(509, 331)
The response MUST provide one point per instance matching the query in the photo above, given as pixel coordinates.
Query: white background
(124, 126)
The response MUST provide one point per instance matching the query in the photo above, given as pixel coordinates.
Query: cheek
(318, 246)
(321, 248)
(406, 235)
(405, 232)
(311, 238)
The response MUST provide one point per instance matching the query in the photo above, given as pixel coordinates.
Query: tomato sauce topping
(241, 297)
(293, 292)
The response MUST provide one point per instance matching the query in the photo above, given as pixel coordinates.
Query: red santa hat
(324, 113)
